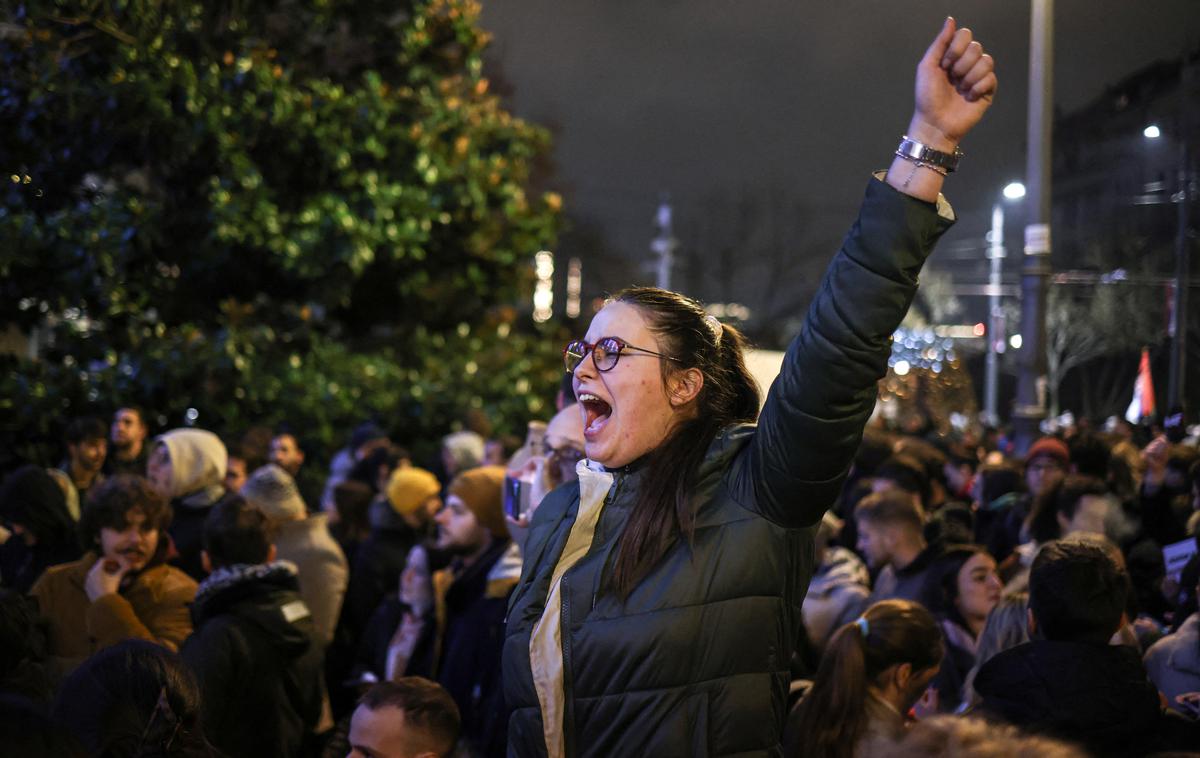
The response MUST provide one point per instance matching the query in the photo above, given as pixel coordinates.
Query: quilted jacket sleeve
(816, 409)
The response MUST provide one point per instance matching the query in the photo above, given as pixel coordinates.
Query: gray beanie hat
(273, 491)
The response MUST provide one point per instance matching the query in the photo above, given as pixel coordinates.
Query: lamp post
(996, 336)
(1035, 272)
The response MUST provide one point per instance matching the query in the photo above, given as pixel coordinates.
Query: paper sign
(1176, 556)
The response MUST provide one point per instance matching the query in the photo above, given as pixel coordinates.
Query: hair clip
(714, 326)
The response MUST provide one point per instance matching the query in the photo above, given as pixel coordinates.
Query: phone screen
(513, 491)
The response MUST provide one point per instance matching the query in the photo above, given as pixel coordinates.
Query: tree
(1083, 325)
(227, 205)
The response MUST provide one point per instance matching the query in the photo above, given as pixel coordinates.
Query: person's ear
(684, 386)
(206, 562)
(903, 675)
(271, 553)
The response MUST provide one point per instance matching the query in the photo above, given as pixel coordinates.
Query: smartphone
(516, 496)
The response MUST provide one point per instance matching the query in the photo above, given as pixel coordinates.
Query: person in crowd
(187, 466)
(1046, 465)
(87, 446)
(34, 509)
(350, 521)
(122, 587)
(403, 519)
(960, 737)
(254, 651)
(892, 540)
(397, 632)
(961, 590)
(1163, 497)
(1079, 504)
(685, 512)
(133, 700)
(1074, 505)
(25, 668)
(1007, 626)
(471, 598)
(287, 452)
(236, 468)
(127, 442)
(1069, 682)
(304, 541)
(27, 730)
(906, 474)
(839, 588)
(411, 717)
(365, 438)
(461, 451)
(872, 673)
(1173, 663)
(996, 491)
(563, 447)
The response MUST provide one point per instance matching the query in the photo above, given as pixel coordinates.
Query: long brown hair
(833, 716)
(663, 511)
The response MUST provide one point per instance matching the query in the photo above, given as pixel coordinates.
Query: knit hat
(480, 490)
(410, 487)
(273, 491)
(1051, 447)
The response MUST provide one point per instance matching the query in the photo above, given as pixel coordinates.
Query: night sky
(762, 120)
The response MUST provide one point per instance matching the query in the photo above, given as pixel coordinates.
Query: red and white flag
(1142, 405)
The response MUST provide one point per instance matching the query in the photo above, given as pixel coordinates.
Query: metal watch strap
(919, 152)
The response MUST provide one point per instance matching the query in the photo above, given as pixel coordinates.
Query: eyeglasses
(565, 454)
(606, 351)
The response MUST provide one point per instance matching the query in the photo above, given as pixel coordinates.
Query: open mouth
(596, 412)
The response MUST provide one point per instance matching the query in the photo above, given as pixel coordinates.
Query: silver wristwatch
(918, 152)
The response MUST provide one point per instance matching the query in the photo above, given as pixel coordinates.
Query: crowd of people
(950, 578)
(668, 566)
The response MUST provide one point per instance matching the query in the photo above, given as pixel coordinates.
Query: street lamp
(1152, 132)
(996, 253)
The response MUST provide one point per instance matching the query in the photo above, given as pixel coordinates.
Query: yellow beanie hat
(409, 487)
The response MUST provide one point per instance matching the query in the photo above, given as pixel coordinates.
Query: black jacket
(256, 656)
(1098, 695)
(696, 661)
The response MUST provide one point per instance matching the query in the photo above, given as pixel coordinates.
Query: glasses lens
(573, 354)
(608, 350)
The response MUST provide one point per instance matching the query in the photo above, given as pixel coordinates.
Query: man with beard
(122, 588)
(87, 446)
(127, 436)
(471, 598)
(255, 650)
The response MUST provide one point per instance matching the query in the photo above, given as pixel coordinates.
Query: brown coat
(154, 607)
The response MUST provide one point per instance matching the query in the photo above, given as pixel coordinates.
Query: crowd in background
(180, 594)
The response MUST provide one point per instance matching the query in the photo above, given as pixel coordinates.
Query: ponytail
(832, 717)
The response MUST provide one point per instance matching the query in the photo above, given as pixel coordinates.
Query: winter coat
(321, 566)
(153, 607)
(836, 595)
(257, 660)
(907, 583)
(696, 660)
(1173, 662)
(378, 563)
(467, 638)
(1094, 694)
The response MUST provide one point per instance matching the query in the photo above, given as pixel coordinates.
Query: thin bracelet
(918, 165)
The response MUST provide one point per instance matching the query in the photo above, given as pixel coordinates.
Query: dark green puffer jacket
(695, 661)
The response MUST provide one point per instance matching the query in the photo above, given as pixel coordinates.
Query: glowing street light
(1014, 191)
(1152, 132)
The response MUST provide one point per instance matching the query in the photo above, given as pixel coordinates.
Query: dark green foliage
(266, 211)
